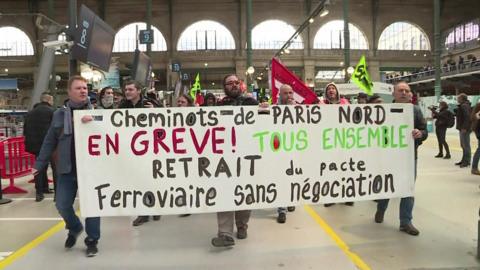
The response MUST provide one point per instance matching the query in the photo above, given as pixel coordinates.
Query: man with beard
(225, 220)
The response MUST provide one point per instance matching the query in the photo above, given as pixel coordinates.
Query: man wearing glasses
(232, 86)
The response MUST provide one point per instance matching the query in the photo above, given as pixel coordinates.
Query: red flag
(281, 75)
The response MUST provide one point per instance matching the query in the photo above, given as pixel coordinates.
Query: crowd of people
(428, 70)
(466, 120)
(57, 132)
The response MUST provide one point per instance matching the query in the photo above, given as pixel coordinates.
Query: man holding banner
(134, 99)
(332, 96)
(234, 97)
(285, 97)
(403, 94)
(60, 137)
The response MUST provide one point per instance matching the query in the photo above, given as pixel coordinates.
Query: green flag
(195, 87)
(361, 78)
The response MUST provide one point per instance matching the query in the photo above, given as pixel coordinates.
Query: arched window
(206, 35)
(14, 42)
(126, 38)
(272, 34)
(458, 36)
(330, 36)
(400, 36)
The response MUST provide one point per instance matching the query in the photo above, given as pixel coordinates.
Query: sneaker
(291, 208)
(464, 165)
(156, 218)
(39, 197)
(409, 229)
(459, 163)
(349, 203)
(282, 217)
(140, 220)
(241, 233)
(328, 204)
(72, 238)
(92, 249)
(223, 241)
(439, 155)
(447, 156)
(379, 216)
(475, 171)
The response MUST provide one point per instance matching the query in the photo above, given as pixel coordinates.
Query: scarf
(67, 119)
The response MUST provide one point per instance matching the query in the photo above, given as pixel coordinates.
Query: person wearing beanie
(210, 100)
(375, 98)
(362, 98)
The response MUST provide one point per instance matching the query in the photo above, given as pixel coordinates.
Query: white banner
(195, 160)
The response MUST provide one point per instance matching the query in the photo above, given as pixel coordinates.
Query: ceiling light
(311, 20)
(324, 13)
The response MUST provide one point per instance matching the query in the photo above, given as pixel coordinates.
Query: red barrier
(15, 162)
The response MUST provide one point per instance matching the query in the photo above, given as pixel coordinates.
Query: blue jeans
(65, 197)
(476, 156)
(406, 205)
(465, 143)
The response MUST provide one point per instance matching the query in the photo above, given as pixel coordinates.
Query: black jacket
(127, 104)
(239, 101)
(463, 116)
(37, 122)
(442, 118)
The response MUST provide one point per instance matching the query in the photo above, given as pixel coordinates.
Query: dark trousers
(465, 143)
(41, 179)
(442, 143)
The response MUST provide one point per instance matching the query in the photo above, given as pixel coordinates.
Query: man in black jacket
(443, 116)
(403, 94)
(135, 99)
(35, 129)
(234, 97)
(463, 125)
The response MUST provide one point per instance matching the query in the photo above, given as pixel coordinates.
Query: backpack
(450, 119)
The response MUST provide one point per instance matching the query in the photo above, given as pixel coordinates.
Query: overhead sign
(93, 40)
(176, 67)
(194, 160)
(185, 77)
(146, 36)
(8, 84)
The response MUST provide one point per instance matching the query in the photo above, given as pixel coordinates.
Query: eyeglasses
(230, 83)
